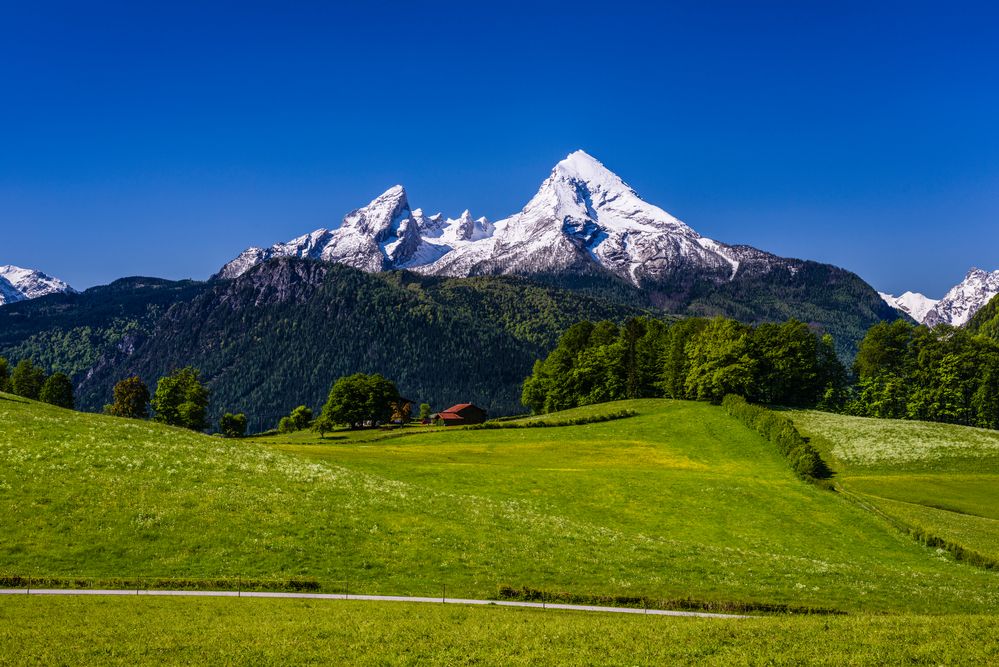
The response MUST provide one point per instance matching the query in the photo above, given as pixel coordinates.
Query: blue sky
(162, 139)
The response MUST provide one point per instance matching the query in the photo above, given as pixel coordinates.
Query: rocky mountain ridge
(584, 219)
(957, 306)
(20, 284)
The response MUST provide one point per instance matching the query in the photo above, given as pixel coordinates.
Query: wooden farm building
(461, 414)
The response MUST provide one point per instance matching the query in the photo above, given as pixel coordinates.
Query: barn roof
(458, 408)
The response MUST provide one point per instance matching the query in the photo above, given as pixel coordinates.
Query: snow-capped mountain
(964, 299)
(583, 218)
(386, 234)
(17, 284)
(913, 304)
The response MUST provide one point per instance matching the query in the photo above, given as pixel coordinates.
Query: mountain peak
(964, 299)
(915, 305)
(581, 166)
(19, 284)
(381, 214)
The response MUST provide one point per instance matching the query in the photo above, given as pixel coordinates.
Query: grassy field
(126, 631)
(941, 479)
(680, 501)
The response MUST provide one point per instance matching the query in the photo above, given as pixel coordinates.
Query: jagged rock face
(913, 304)
(386, 234)
(583, 219)
(18, 284)
(964, 299)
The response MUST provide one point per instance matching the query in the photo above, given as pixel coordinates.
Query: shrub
(233, 425)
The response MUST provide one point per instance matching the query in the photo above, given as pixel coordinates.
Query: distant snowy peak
(582, 218)
(18, 284)
(913, 304)
(964, 299)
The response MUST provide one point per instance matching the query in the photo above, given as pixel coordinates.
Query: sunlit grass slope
(679, 501)
(939, 478)
(130, 631)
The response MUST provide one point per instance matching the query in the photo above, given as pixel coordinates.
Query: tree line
(30, 381)
(902, 370)
(695, 358)
(944, 374)
(181, 399)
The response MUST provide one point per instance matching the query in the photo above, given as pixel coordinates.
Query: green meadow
(940, 481)
(141, 630)
(679, 502)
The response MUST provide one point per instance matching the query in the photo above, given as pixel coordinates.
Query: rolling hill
(678, 502)
(936, 481)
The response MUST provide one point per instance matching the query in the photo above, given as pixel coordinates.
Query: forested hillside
(986, 320)
(278, 336)
(73, 333)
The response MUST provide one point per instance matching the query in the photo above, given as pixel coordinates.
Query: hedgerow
(780, 430)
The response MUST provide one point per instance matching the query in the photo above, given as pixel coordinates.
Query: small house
(462, 414)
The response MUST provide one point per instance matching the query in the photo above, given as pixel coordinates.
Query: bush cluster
(780, 430)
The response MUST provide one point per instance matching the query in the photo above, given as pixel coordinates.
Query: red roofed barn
(461, 414)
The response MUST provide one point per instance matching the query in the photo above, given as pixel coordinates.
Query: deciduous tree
(233, 425)
(181, 400)
(131, 399)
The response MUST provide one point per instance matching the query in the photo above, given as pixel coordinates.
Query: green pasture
(940, 479)
(680, 501)
(211, 631)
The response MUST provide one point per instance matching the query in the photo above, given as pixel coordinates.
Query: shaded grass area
(939, 482)
(75, 631)
(678, 502)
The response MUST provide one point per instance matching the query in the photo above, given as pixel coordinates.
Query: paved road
(373, 598)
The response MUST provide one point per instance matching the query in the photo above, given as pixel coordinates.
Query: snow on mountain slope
(913, 304)
(584, 214)
(583, 218)
(385, 234)
(18, 284)
(964, 299)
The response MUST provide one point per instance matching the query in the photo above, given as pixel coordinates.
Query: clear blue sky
(163, 138)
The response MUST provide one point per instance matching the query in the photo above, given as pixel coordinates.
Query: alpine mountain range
(584, 222)
(451, 308)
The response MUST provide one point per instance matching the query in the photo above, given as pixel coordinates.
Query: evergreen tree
(57, 390)
(27, 379)
(4, 375)
(181, 400)
(131, 399)
(673, 360)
